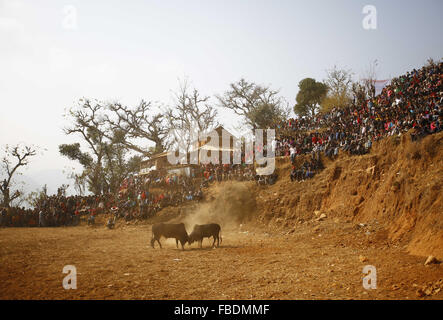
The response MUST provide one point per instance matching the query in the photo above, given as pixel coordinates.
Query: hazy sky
(54, 52)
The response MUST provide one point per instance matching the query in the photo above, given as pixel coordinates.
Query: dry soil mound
(397, 185)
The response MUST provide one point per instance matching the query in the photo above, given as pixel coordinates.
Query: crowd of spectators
(307, 170)
(56, 210)
(224, 172)
(145, 195)
(412, 101)
(139, 197)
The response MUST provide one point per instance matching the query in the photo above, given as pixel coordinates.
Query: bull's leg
(176, 242)
(213, 243)
(158, 240)
(200, 242)
(152, 242)
(183, 244)
(218, 241)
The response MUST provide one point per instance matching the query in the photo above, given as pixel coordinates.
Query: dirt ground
(316, 260)
(382, 209)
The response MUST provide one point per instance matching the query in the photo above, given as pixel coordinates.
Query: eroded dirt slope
(397, 185)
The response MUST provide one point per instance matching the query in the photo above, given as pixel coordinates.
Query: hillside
(396, 186)
(394, 191)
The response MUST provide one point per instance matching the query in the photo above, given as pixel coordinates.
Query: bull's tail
(219, 235)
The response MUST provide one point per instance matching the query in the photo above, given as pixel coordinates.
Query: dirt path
(316, 261)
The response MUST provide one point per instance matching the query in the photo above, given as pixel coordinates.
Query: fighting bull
(176, 231)
(205, 231)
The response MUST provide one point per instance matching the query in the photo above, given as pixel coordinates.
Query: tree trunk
(6, 198)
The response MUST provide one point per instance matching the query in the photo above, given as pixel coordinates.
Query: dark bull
(205, 231)
(176, 231)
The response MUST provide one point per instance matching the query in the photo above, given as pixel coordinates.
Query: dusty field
(319, 260)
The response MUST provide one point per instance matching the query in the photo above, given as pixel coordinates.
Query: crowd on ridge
(411, 101)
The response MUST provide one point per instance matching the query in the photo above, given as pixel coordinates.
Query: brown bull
(177, 231)
(205, 231)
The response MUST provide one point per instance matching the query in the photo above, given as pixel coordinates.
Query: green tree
(268, 115)
(311, 93)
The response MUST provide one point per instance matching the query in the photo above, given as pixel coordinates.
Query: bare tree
(259, 105)
(191, 113)
(88, 122)
(79, 181)
(141, 122)
(369, 78)
(107, 161)
(14, 158)
(339, 82)
(61, 191)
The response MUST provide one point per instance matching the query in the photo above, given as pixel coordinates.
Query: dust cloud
(232, 203)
